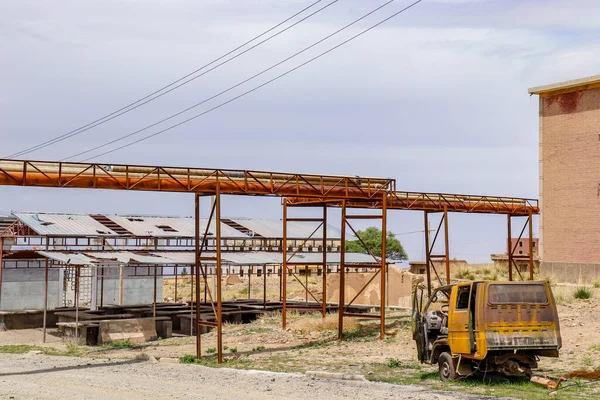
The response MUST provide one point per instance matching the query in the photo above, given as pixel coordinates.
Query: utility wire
(258, 87)
(230, 88)
(176, 84)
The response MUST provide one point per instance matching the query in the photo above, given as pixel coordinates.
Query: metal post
(121, 274)
(530, 221)
(154, 302)
(1, 265)
(306, 284)
(447, 244)
(196, 276)
(383, 266)
(175, 283)
(324, 270)
(219, 300)
(427, 253)
(264, 285)
(250, 281)
(193, 273)
(510, 253)
(77, 272)
(102, 287)
(45, 300)
(284, 268)
(342, 275)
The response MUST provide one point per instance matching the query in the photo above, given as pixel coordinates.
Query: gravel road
(35, 376)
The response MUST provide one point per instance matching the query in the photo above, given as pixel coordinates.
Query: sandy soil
(43, 377)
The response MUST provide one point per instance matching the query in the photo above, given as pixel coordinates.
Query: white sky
(436, 98)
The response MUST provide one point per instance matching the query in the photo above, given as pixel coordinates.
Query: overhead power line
(121, 138)
(175, 84)
(259, 86)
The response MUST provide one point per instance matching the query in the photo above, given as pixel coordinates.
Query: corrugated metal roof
(187, 258)
(63, 224)
(71, 224)
(172, 226)
(274, 228)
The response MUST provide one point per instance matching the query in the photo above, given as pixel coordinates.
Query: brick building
(521, 246)
(569, 156)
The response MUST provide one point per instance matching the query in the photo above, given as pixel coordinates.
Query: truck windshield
(514, 294)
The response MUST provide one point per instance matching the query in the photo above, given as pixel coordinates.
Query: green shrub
(188, 359)
(121, 344)
(258, 348)
(394, 363)
(233, 350)
(582, 293)
(597, 285)
(211, 350)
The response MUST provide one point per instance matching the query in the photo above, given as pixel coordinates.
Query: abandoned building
(569, 186)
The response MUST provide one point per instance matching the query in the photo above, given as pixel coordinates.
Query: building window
(520, 252)
(520, 244)
(533, 244)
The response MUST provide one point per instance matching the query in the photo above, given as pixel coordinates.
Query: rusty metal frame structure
(296, 190)
(287, 263)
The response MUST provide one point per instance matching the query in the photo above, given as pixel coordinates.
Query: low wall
(570, 272)
(23, 289)
(400, 286)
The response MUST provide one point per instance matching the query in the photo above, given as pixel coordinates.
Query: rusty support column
(1, 265)
(447, 244)
(531, 264)
(218, 277)
(324, 270)
(342, 299)
(45, 301)
(175, 284)
(510, 251)
(383, 266)
(77, 272)
(102, 287)
(193, 272)
(121, 276)
(250, 270)
(284, 267)
(264, 286)
(427, 253)
(154, 301)
(196, 275)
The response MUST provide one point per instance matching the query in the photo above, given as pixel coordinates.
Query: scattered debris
(547, 383)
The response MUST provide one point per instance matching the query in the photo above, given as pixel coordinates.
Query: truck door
(459, 320)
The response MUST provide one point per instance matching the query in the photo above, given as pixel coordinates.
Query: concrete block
(164, 329)
(139, 330)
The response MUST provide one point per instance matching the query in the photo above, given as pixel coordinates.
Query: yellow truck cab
(486, 326)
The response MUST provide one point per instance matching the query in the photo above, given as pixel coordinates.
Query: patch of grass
(211, 350)
(258, 348)
(233, 349)
(188, 359)
(464, 274)
(582, 293)
(596, 284)
(122, 344)
(243, 290)
(18, 348)
(72, 350)
(318, 324)
(394, 363)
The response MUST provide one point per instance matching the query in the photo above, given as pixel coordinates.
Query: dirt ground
(309, 344)
(40, 377)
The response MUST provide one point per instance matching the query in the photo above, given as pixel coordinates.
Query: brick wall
(570, 177)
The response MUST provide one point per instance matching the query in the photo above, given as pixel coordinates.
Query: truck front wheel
(447, 368)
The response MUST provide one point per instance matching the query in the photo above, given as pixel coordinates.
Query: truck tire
(446, 367)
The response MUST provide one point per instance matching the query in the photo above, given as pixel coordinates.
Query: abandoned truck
(486, 326)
